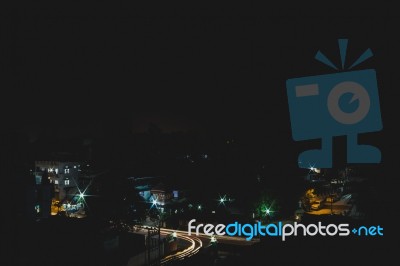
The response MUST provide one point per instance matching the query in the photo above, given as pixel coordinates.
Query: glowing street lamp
(265, 210)
(312, 168)
(222, 200)
(154, 202)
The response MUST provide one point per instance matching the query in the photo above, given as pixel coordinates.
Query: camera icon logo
(339, 104)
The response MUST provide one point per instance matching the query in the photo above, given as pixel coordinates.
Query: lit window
(66, 182)
(56, 182)
(66, 171)
(74, 166)
(56, 170)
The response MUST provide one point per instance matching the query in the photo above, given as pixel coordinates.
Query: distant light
(314, 169)
(199, 207)
(213, 239)
(74, 166)
(222, 199)
(174, 234)
(267, 211)
(213, 212)
(154, 202)
(81, 195)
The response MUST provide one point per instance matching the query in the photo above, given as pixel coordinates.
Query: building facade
(63, 175)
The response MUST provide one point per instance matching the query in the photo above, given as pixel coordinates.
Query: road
(199, 241)
(195, 244)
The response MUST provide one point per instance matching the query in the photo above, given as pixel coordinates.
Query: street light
(267, 211)
(222, 200)
(154, 202)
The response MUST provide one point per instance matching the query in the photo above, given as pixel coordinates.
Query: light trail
(195, 245)
(227, 238)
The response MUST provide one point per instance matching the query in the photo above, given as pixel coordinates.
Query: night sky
(97, 70)
(222, 70)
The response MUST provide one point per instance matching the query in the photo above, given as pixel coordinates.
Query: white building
(64, 175)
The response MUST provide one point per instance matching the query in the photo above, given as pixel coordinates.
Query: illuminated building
(63, 175)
